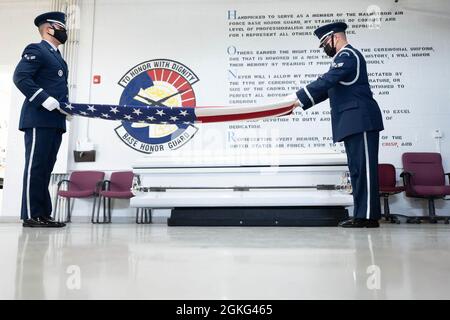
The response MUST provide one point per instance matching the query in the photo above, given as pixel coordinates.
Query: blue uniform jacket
(42, 72)
(346, 84)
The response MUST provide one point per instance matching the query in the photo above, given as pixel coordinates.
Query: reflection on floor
(126, 261)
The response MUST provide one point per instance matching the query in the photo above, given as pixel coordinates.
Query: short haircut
(341, 35)
(42, 27)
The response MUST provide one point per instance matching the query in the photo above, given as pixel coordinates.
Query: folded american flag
(178, 115)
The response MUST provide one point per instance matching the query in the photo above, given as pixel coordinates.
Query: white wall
(16, 31)
(14, 39)
(125, 33)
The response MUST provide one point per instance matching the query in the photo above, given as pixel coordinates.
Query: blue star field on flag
(140, 114)
(161, 114)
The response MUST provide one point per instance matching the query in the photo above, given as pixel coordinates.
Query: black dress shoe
(50, 220)
(40, 223)
(359, 223)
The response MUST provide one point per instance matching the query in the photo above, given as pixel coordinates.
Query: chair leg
(392, 218)
(109, 209)
(100, 205)
(98, 208)
(432, 217)
(387, 212)
(432, 210)
(67, 210)
(104, 209)
(93, 209)
(69, 206)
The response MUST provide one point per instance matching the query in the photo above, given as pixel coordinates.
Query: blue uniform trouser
(362, 157)
(41, 148)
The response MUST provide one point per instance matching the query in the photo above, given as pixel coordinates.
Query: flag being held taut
(178, 115)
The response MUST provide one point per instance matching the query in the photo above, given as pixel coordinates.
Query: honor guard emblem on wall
(159, 82)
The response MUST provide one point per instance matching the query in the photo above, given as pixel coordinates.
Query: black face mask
(60, 35)
(330, 49)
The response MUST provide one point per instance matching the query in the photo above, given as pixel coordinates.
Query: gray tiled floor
(126, 261)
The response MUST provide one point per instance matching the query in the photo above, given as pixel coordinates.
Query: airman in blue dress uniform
(41, 75)
(355, 117)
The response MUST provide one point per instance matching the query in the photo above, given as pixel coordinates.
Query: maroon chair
(424, 177)
(387, 187)
(117, 187)
(81, 184)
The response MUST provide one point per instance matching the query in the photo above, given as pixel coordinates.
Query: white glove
(68, 116)
(292, 98)
(50, 104)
